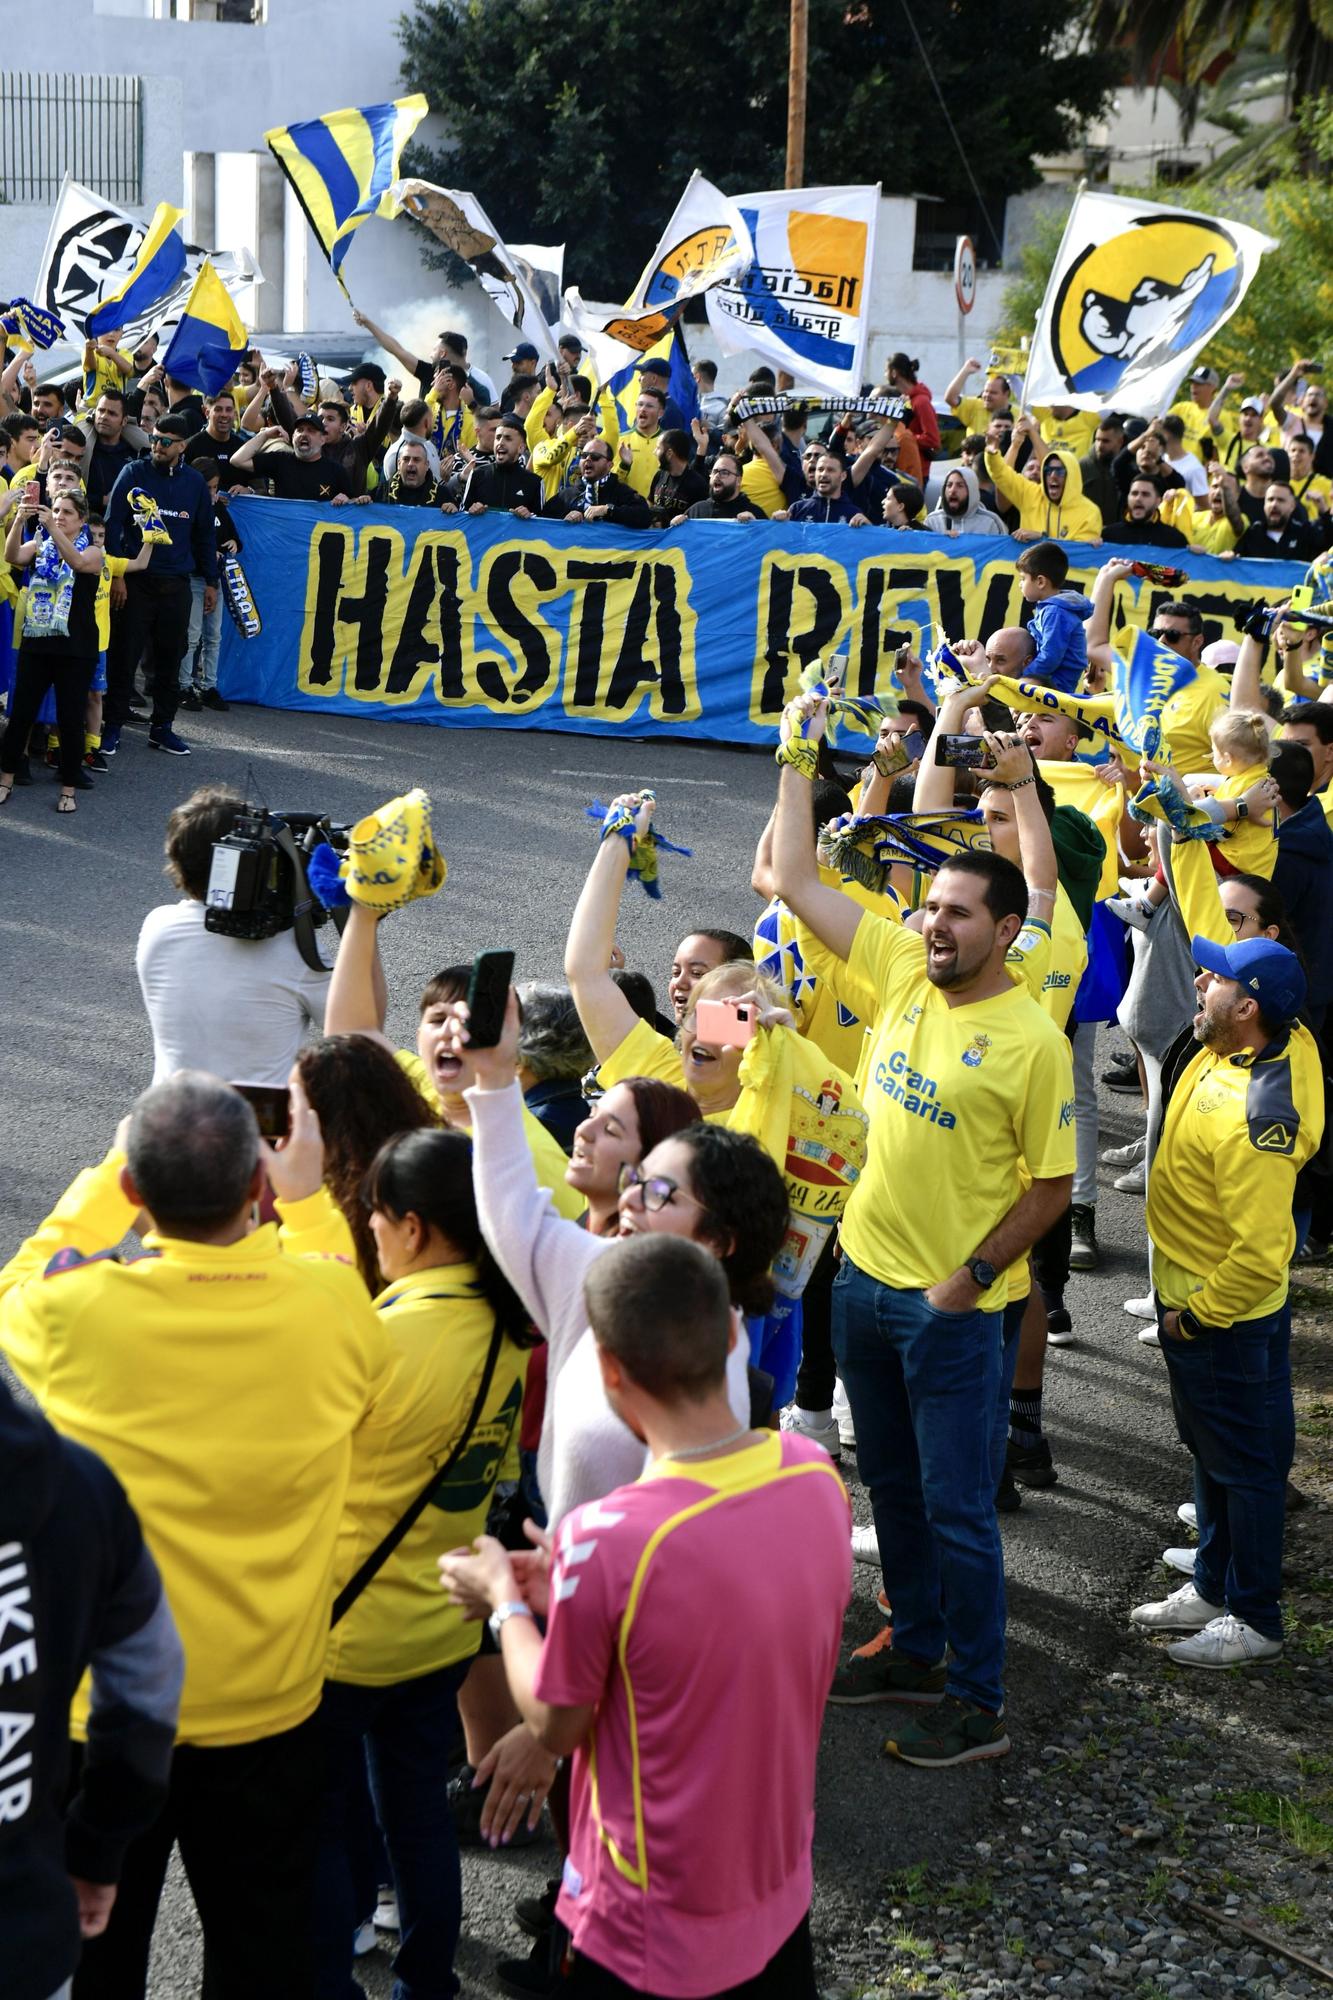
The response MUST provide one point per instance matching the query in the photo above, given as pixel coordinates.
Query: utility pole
(800, 21)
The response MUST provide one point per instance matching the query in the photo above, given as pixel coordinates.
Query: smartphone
(891, 759)
(903, 657)
(1314, 367)
(727, 1024)
(961, 753)
(272, 1106)
(488, 996)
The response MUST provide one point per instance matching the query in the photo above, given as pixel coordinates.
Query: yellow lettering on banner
(376, 632)
(631, 632)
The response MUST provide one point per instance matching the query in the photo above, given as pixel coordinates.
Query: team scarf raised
(22, 320)
(865, 848)
(148, 516)
(1097, 712)
(617, 822)
(890, 409)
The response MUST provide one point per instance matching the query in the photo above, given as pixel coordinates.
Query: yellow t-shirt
(1063, 959)
(1250, 845)
(1076, 783)
(1188, 716)
(780, 951)
(643, 467)
(957, 1096)
(1075, 433)
(759, 486)
(102, 373)
(972, 412)
(1306, 490)
(547, 1156)
(112, 566)
(1195, 419)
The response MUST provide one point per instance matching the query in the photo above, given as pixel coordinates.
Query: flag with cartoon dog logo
(1136, 291)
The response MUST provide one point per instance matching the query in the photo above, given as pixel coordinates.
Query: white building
(172, 103)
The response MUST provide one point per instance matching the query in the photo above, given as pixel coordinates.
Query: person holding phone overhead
(774, 1085)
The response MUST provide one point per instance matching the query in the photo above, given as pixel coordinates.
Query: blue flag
(1145, 682)
(682, 388)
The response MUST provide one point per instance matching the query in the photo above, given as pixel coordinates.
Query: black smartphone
(487, 997)
(961, 753)
(272, 1106)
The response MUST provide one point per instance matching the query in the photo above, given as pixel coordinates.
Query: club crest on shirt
(913, 1014)
(976, 1051)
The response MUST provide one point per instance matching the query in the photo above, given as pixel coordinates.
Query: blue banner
(703, 630)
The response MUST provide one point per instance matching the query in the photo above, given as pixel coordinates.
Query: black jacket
(501, 486)
(1300, 541)
(1101, 486)
(1303, 877)
(628, 508)
(77, 1588)
(1150, 534)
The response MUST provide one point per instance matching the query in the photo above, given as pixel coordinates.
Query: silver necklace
(702, 1450)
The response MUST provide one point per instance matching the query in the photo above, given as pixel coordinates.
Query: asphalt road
(508, 811)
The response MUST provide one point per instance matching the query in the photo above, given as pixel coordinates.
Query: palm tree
(1190, 42)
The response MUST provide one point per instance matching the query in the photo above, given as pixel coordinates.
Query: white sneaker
(842, 1410)
(1149, 1337)
(1127, 1155)
(363, 1939)
(1144, 1308)
(865, 1546)
(820, 1426)
(1183, 1611)
(1226, 1642)
(386, 1909)
(1130, 910)
(1180, 1559)
(1134, 1180)
(1189, 1514)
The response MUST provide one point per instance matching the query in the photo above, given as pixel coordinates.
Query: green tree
(581, 120)
(1190, 38)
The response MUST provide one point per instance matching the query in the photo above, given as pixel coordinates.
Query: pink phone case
(725, 1023)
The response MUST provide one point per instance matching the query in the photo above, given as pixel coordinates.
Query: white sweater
(585, 1450)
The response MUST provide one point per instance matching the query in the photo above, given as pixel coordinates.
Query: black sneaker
(1122, 1076)
(536, 1914)
(1059, 1327)
(542, 1972)
(1031, 1464)
(190, 700)
(1008, 1499)
(95, 761)
(876, 1673)
(957, 1733)
(110, 740)
(210, 698)
(1083, 1252)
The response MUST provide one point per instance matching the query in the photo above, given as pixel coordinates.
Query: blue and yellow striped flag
(342, 166)
(209, 342)
(159, 266)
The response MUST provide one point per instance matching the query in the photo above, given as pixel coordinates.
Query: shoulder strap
(378, 1556)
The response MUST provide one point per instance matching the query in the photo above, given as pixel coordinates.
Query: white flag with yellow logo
(804, 300)
(1136, 291)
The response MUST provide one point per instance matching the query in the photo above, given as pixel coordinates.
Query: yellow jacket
(439, 1324)
(223, 1386)
(1074, 520)
(643, 467)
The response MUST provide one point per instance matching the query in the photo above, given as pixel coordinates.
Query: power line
(953, 130)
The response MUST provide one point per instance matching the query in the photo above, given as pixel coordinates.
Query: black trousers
(71, 678)
(153, 625)
(818, 1372)
(247, 1820)
(789, 1975)
(1050, 1258)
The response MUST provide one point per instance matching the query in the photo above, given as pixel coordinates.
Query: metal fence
(89, 126)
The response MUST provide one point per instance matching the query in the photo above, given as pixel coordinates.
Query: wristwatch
(981, 1273)
(1190, 1327)
(512, 1608)
(1242, 810)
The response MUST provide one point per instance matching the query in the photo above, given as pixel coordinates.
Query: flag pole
(796, 78)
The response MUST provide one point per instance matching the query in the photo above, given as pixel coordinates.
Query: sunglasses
(656, 1189)
(161, 437)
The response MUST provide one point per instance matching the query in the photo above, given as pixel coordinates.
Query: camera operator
(239, 1007)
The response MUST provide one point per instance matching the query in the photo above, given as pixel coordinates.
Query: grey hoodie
(978, 520)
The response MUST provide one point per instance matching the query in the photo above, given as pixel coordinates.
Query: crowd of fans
(1254, 480)
(434, 1417)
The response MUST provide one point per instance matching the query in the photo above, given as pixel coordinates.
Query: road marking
(717, 783)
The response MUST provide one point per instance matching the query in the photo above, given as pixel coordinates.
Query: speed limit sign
(965, 274)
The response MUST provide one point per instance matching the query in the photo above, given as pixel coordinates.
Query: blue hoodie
(1056, 626)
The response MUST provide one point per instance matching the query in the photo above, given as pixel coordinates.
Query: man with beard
(960, 511)
(1283, 534)
(1244, 1116)
(220, 439)
(1098, 466)
(114, 442)
(502, 482)
(679, 484)
(596, 494)
(1142, 523)
(725, 501)
(966, 1077)
(830, 500)
(303, 473)
(411, 484)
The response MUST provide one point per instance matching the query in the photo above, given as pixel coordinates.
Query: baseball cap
(1208, 375)
(308, 420)
(525, 351)
(1222, 653)
(654, 365)
(570, 340)
(369, 371)
(1253, 403)
(1268, 972)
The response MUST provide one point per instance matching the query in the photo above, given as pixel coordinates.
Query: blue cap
(525, 351)
(1266, 970)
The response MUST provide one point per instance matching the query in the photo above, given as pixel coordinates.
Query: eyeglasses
(657, 1189)
(596, 457)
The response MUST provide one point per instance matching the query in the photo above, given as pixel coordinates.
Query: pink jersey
(699, 1611)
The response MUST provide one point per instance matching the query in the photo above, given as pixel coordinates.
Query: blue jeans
(1231, 1393)
(924, 1387)
(404, 1733)
(204, 641)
